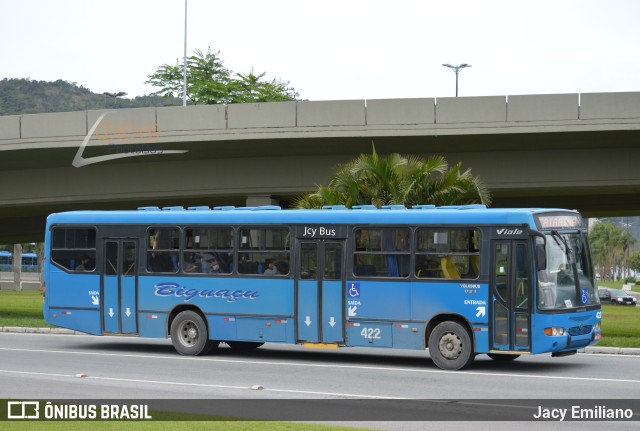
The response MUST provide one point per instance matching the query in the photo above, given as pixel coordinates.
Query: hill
(25, 96)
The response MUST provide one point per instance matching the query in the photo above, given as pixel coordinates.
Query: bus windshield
(567, 279)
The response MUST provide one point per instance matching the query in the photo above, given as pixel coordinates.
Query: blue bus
(29, 262)
(456, 281)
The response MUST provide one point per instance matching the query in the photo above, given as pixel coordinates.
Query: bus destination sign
(557, 221)
(321, 231)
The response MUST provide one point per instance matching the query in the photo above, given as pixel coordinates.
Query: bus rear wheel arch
(451, 346)
(190, 335)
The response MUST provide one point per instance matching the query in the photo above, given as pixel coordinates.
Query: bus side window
(162, 250)
(448, 253)
(70, 245)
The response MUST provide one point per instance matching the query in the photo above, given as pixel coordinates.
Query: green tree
(209, 82)
(610, 246)
(397, 180)
(634, 260)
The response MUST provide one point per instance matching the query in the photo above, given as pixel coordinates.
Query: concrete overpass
(559, 150)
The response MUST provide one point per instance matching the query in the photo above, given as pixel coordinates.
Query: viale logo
(509, 231)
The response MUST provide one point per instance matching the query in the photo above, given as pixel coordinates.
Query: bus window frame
(74, 226)
(147, 250)
(417, 253)
(232, 250)
(353, 251)
(291, 257)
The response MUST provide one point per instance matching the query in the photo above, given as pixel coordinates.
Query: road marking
(353, 367)
(203, 385)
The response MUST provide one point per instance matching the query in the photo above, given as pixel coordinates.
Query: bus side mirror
(541, 257)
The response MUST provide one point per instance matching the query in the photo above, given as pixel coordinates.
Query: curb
(611, 350)
(22, 330)
(631, 351)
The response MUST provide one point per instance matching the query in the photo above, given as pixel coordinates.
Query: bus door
(119, 286)
(319, 291)
(510, 309)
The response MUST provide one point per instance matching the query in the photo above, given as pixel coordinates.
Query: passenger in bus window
(85, 264)
(402, 240)
(214, 266)
(429, 269)
(160, 262)
(271, 268)
(197, 265)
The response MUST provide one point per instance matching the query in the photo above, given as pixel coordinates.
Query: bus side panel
(153, 325)
(408, 335)
(222, 327)
(219, 295)
(73, 301)
(389, 300)
(481, 338)
(254, 329)
(73, 290)
(369, 334)
(468, 300)
(87, 321)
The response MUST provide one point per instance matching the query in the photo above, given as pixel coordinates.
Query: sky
(333, 49)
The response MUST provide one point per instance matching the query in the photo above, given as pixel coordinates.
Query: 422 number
(371, 333)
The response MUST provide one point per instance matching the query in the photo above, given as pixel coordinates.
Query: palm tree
(397, 180)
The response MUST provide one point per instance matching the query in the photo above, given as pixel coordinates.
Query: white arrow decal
(307, 321)
(128, 312)
(332, 321)
(352, 311)
(95, 300)
(111, 313)
(481, 311)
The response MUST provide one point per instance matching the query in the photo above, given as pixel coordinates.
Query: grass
(21, 308)
(620, 326)
(617, 285)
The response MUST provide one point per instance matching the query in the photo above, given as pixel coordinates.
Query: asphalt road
(43, 366)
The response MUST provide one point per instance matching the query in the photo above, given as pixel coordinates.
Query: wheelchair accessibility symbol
(584, 296)
(354, 290)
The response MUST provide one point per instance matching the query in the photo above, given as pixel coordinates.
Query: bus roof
(475, 214)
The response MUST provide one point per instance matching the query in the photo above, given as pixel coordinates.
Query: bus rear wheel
(450, 346)
(189, 334)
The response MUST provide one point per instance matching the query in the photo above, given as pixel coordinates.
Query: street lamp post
(457, 70)
(184, 67)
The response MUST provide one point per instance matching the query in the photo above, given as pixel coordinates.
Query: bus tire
(450, 346)
(244, 345)
(503, 357)
(189, 334)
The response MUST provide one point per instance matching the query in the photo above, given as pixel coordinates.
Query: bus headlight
(555, 331)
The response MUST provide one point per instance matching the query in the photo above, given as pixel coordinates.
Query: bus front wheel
(450, 346)
(189, 334)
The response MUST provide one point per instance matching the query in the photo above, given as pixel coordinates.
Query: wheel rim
(189, 333)
(450, 346)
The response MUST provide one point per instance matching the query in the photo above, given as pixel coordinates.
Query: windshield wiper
(567, 249)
